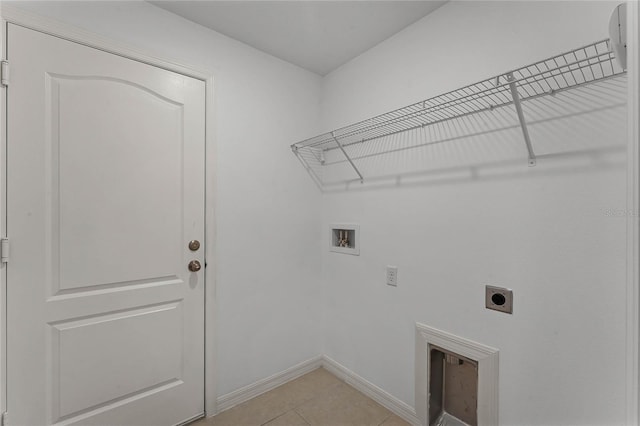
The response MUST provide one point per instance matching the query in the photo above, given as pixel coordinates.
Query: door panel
(105, 188)
(91, 192)
(138, 349)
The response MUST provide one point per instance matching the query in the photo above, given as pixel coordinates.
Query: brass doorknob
(194, 266)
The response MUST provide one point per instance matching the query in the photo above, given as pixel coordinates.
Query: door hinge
(4, 252)
(4, 73)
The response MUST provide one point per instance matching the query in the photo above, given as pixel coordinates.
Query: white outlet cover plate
(392, 275)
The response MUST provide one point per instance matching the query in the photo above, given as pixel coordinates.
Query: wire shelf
(592, 63)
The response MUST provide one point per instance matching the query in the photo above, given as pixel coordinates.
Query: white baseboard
(380, 396)
(244, 394)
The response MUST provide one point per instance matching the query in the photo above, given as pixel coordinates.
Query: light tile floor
(316, 399)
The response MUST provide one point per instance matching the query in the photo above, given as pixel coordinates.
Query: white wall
(267, 211)
(545, 231)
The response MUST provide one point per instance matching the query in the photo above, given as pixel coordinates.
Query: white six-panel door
(105, 189)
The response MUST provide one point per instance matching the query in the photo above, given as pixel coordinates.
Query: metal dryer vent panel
(453, 389)
(446, 348)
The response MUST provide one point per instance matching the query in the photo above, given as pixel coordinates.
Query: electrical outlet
(499, 299)
(392, 275)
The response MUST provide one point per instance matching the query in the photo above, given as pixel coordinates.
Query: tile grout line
(386, 418)
(300, 404)
(288, 411)
(303, 417)
(284, 414)
(342, 381)
(294, 409)
(315, 394)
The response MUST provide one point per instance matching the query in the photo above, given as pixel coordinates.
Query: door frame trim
(18, 16)
(633, 214)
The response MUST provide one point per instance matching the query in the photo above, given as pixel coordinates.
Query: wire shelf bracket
(585, 65)
(347, 156)
(523, 123)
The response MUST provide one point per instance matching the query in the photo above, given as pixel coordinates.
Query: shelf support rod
(347, 156)
(312, 173)
(523, 123)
